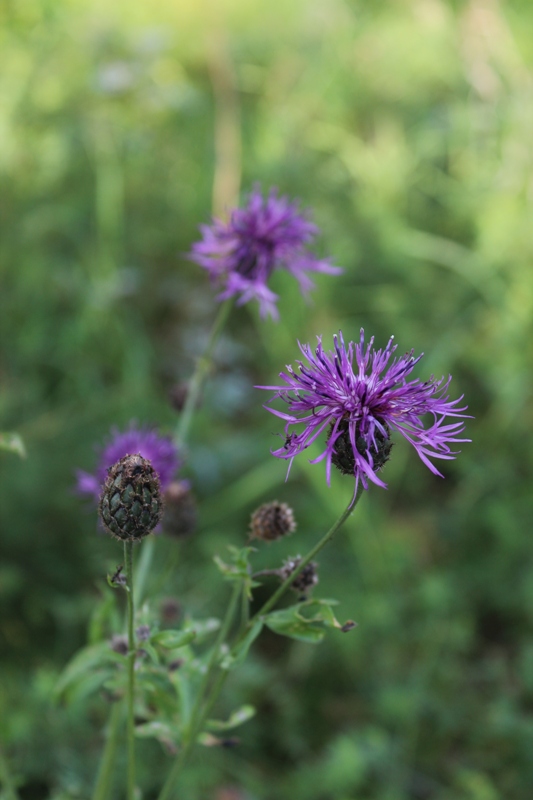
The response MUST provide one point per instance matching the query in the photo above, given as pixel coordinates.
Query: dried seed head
(180, 517)
(307, 578)
(130, 503)
(271, 521)
(119, 644)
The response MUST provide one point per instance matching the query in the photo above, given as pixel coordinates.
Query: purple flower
(360, 408)
(266, 234)
(159, 450)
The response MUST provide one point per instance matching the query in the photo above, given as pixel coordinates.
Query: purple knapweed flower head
(159, 450)
(268, 233)
(359, 406)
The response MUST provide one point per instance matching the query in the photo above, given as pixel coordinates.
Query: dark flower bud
(130, 504)
(343, 456)
(180, 517)
(119, 644)
(307, 578)
(143, 633)
(170, 610)
(271, 521)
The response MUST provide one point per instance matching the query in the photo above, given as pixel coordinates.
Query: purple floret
(266, 234)
(159, 450)
(360, 408)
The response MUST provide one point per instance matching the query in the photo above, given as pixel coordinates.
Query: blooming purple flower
(159, 450)
(266, 234)
(361, 407)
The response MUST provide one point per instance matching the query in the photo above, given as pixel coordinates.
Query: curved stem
(200, 714)
(128, 558)
(202, 368)
(104, 780)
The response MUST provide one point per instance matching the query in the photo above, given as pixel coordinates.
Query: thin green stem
(197, 715)
(104, 781)
(203, 366)
(143, 568)
(128, 558)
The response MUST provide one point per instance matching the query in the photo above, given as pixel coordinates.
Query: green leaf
(238, 717)
(89, 659)
(173, 639)
(161, 731)
(239, 652)
(203, 628)
(239, 569)
(11, 442)
(288, 622)
(309, 627)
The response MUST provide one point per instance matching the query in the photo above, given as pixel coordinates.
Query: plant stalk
(128, 558)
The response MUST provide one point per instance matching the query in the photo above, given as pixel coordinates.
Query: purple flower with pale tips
(360, 407)
(159, 450)
(267, 234)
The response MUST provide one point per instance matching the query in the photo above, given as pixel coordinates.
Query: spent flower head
(267, 234)
(358, 406)
(159, 450)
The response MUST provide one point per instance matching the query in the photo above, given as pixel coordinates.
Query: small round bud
(343, 455)
(119, 644)
(170, 610)
(271, 521)
(180, 517)
(130, 504)
(142, 633)
(307, 578)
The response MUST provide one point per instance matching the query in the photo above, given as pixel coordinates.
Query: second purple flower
(267, 234)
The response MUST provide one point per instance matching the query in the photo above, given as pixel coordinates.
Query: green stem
(197, 715)
(105, 772)
(143, 568)
(128, 558)
(9, 790)
(200, 373)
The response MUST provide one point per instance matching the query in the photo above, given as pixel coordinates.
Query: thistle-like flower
(359, 408)
(130, 504)
(266, 234)
(159, 450)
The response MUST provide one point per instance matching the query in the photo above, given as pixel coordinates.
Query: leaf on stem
(308, 627)
(239, 569)
(239, 652)
(239, 717)
(172, 639)
(89, 662)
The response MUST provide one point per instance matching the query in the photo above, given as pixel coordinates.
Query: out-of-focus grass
(406, 127)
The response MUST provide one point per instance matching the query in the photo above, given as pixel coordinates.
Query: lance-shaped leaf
(172, 639)
(306, 622)
(239, 717)
(87, 661)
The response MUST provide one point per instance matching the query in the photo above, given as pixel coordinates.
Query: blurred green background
(406, 126)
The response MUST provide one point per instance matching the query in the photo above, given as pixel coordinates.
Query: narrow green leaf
(89, 659)
(240, 651)
(238, 717)
(173, 639)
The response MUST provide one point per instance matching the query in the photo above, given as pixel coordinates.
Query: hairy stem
(128, 558)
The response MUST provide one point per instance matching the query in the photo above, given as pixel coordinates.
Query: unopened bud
(130, 504)
(307, 578)
(271, 521)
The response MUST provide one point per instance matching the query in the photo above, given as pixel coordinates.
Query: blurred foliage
(406, 126)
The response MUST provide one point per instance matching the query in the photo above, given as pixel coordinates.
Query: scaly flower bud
(307, 578)
(130, 504)
(271, 521)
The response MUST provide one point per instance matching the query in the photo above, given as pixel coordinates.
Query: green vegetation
(406, 126)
